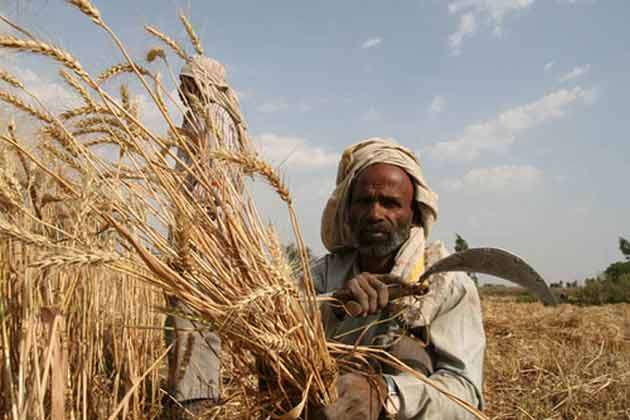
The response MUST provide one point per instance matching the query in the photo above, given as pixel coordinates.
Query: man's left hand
(359, 398)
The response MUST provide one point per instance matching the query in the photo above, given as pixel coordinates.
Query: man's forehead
(383, 175)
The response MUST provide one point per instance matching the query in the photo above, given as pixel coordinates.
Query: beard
(379, 241)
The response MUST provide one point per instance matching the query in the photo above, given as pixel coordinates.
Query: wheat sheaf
(101, 162)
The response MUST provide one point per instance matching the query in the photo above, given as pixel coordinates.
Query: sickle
(492, 261)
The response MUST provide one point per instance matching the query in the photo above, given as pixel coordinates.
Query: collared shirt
(456, 336)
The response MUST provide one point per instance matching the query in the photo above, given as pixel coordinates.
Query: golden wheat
(194, 39)
(167, 40)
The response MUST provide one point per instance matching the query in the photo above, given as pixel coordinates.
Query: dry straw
(189, 229)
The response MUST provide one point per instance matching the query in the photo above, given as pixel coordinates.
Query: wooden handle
(396, 291)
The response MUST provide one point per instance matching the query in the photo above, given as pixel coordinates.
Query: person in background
(194, 360)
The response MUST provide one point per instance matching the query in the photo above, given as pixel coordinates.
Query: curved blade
(495, 262)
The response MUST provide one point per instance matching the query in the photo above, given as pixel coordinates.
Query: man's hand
(370, 291)
(359, 398)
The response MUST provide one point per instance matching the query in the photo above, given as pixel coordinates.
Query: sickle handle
(396, 291)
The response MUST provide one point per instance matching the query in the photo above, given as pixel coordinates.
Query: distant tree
(462, 245)
(293, 254)
(624, 247)
(616, 270)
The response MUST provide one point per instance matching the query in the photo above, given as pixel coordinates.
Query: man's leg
(194, 361)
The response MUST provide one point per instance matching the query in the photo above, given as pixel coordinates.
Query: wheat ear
(194, 39)
(167, 40)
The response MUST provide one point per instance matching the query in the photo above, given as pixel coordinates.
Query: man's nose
(375, 213)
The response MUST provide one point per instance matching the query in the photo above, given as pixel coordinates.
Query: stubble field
(83, 343)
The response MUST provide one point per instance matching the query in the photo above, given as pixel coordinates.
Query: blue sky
(518, 109)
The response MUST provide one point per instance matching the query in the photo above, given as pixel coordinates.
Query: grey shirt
(456, 336)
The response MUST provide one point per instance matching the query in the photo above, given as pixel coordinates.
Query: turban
(204, 71)
(335, 232)
(217, 122)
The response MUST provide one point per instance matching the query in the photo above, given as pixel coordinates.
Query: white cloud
(467, 28)
(499, 133)
(272, 106)
(548, 66)
(485, 12)
(294, 152)
(371, 43)
(438, 104)
(505, 178)
(576, 72)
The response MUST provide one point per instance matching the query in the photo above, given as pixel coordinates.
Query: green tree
(624, 247)
(462, 245)
(293, 255)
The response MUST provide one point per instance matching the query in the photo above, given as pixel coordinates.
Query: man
(194, 362)
(376, 223)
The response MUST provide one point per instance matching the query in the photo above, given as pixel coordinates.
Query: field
(95, 230)
(567, 362)
(83, 343)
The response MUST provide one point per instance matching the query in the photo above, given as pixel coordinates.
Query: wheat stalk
(78, 87)
(86, 7)
(23, 106)
(118, 69)
(167, 40)
(39, 47)
(254, 165)
(154, 53)
(77, 259)
(10, 79)
(194, 39)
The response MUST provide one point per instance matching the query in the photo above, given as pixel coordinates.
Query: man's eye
(390, 203)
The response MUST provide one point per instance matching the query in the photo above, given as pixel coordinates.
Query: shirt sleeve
(458, 341)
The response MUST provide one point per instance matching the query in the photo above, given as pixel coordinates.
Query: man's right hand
(371, 291)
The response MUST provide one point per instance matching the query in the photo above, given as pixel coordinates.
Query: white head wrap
(335, 232)
(204, 70)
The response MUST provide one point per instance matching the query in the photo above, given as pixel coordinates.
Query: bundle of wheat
(219, 259)
(70, 346)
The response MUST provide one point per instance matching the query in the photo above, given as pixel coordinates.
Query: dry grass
(567, 362)
(126, 209)
(70, 342)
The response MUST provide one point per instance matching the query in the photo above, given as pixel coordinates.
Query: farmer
(194, 362)
(376, 222)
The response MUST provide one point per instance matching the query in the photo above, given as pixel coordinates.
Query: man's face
(381, 209)
(188, 87)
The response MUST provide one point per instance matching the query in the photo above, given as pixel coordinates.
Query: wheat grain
(77, 86)
(194, 39)
(23, 106)
(76, 259)
(154, 53)
(118, 69)
(39, 47)
(10, 79)
(167, 40)
(86, 7)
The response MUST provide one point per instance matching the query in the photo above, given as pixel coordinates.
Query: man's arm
(458, 339)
